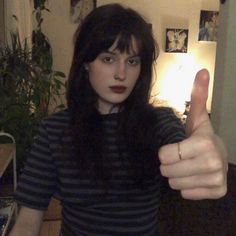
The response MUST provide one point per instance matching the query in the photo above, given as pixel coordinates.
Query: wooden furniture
(50, 228)
(52, 219)
(7, 154)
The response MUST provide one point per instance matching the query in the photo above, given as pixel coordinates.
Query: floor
(50, 228)
(52, 217)
(52, 220)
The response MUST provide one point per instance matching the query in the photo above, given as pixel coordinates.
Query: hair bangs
(125, 43)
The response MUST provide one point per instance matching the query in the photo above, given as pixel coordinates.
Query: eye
(108, 59)
(134, 61)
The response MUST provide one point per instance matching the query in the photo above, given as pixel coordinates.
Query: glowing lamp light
(177, 81)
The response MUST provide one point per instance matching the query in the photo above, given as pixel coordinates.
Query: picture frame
(208, 26)
(176, 40)
(80, 8)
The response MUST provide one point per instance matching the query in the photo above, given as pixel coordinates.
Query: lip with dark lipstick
(118, 89)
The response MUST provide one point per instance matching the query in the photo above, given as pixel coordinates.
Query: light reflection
(176, 83)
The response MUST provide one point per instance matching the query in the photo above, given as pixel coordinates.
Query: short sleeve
(170, 127)
(38, 180)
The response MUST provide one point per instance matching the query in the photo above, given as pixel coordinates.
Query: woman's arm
(28, 222)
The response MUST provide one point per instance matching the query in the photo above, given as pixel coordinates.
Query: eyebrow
(115, 53)
(110, 52)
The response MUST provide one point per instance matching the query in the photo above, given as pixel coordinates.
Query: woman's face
(113, 76)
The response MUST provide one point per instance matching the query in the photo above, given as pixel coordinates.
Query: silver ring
(179, 152)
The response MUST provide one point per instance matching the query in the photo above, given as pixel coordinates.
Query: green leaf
(59, 74)
(27, 84)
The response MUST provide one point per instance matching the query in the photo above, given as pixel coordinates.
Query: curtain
(22, 9)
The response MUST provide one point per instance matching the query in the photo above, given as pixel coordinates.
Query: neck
(110, 110)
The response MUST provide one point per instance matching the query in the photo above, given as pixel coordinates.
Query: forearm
(28, 223)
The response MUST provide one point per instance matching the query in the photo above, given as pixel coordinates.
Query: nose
(120, 73)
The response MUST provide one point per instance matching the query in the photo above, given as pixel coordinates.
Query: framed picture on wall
(176, 40)
(80, 8)
(208, 26)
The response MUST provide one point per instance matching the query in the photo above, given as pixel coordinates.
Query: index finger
(169, 154)
(189, 147)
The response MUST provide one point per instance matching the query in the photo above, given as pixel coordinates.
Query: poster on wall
(80, 8)
(176, 40)
(208, 26)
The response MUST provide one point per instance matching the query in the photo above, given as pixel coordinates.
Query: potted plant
(29, 87)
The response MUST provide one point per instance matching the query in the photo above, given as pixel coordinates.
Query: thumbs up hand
(197, 166)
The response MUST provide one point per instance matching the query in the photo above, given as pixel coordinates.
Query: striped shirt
(87, 208)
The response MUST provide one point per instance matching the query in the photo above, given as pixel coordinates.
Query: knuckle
(207, 143)
(214, 164)
(219, 180)
(184, 194)
(161, 155)
(224, 191)
(162, 170)
(172, 183)
(214, 161)
(221, 192)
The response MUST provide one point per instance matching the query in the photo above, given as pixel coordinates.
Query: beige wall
(23, 11)
(60, 30)
(175, 72)
(224, 101)
(2, 28)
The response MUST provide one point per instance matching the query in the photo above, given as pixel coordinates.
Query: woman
(106, 155)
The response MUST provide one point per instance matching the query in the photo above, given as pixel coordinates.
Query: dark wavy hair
(97, 33)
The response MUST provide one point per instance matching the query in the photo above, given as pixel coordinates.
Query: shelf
(7, 152)
(7, 209)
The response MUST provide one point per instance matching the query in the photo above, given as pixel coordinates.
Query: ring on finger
(179, 152)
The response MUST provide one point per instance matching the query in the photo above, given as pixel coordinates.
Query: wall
(224, 102)
(172, 70)
(59, 28)
(175, 72)
(2, 33)
(23, 11)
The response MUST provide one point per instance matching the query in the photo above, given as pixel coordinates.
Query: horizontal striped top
(87, 208)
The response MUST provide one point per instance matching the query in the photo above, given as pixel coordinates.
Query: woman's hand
(198, 165)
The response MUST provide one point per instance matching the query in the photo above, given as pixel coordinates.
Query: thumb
(198, 112)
